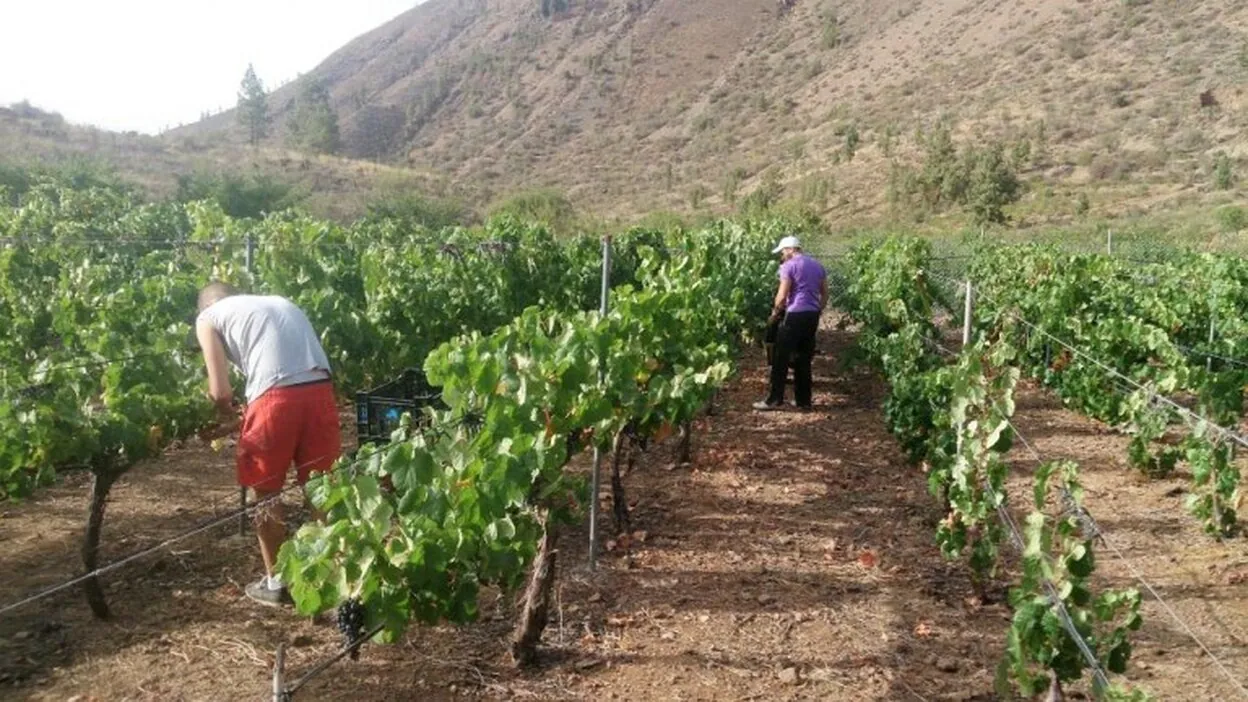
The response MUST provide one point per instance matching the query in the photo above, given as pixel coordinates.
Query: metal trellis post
(967, 314)
(249, 257)
(279, 686)
(594, 476)
(1213, 330)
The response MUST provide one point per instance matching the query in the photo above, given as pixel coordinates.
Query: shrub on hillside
(239, 196)
(991, 186)
(544, 205)
(1223, 176)
(979, 179)
(420, 210)
(1232, 218)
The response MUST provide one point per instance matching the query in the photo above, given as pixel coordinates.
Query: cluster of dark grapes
(452, 251)
(472, 421)
(35, 392)
(351, 625)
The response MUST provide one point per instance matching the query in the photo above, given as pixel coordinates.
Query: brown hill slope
(636, 105)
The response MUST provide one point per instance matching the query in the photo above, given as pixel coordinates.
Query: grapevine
(953, 418)
(350, 621)
(1058, 561)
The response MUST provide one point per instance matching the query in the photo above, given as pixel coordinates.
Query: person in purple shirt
(800, 301)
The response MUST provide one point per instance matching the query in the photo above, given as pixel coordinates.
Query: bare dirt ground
(794, 560)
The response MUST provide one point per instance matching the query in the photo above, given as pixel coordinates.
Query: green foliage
(1058, 558)
(418, 210)
(1147, 322)
(16, 180)
(240, 196)
(697, 196)
(815, 190)
(992, 185)
(830, 37)
(979, 179)
(382, 293)
(888, 140)
(253, 107)
(313, 126)
(1083, 204)
(732, 182)
(973, 482)
(764, 198)
(64, 303)
(1223, 175)
(1215, 478)
(1232, 218)
(544, 206)
(416, 530)
(1020, 154)
(953, 419)
(852, 139)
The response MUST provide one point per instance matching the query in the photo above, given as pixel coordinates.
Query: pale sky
(150, 64)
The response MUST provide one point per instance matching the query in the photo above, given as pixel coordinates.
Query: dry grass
(595, 99)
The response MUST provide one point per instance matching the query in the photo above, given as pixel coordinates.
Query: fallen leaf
(789, 676)
(665, 431)
(640, 536)
(868, 559)
(923, 630)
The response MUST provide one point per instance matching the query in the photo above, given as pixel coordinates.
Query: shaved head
(216, 290)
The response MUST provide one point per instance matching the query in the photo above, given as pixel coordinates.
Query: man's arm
(782, 297)
(219, 389)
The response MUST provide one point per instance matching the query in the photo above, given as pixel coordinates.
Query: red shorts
(291, 425)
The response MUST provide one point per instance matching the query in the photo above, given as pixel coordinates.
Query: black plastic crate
(378, 411)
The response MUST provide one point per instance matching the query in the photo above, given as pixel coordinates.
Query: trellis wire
(1016, 534)
(1101, 533)
(1135, 572)
(1154, 395)
(211, 524)
(289, 690)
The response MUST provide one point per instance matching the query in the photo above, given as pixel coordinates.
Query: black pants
(795, 344)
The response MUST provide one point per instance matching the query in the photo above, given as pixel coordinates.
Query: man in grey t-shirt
(291, 416)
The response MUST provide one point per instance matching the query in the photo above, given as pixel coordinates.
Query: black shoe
(260, 591)
(804, 408)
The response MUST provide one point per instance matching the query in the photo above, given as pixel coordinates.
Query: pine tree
(314, 124)
(253, 107)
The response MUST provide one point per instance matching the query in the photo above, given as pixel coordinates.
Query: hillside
(633, 105)
(332, 187)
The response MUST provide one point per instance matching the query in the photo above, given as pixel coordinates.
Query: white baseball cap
(788, 242)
